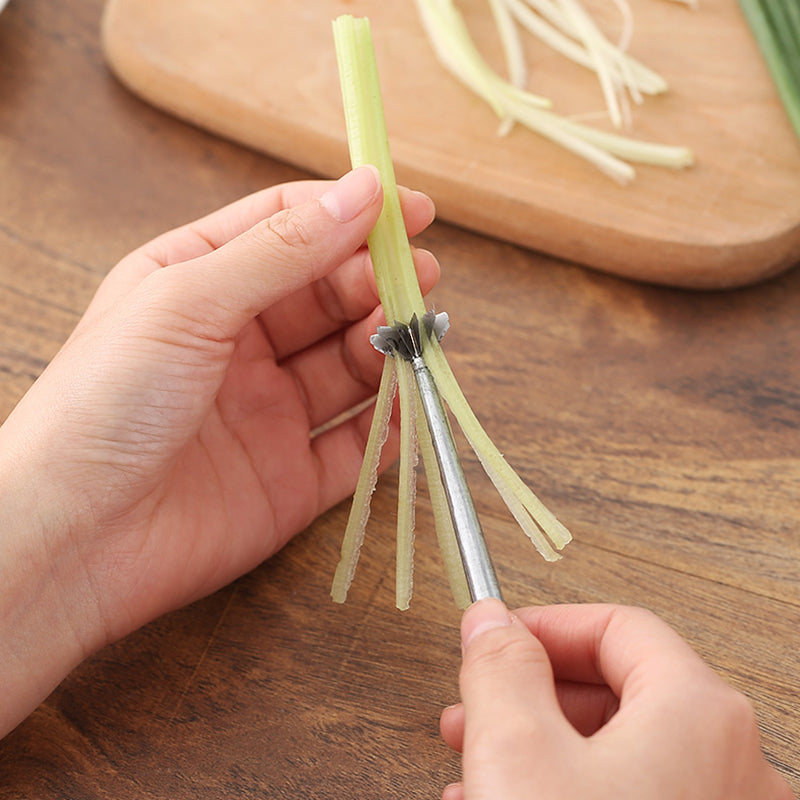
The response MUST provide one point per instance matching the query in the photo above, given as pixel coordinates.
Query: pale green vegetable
(407, 485)
(565, 26)
(368, 479)
(401, 299)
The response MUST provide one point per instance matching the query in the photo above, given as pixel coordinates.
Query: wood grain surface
(661, 425)
(264, 73)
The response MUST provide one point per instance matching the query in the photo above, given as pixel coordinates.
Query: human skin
(167, 448)
(597, 702)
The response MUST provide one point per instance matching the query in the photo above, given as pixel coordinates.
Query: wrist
(48, 614)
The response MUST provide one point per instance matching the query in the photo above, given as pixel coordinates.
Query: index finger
(221, 226)
(203, 236)
(608, 644)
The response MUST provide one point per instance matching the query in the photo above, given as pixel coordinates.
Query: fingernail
(352, 193)
(430, 203)
(481, 617)
(453, 790)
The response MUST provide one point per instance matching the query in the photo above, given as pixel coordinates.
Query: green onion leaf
(776, 27)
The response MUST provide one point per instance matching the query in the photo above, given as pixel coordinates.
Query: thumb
(279, 255)
(507, 688)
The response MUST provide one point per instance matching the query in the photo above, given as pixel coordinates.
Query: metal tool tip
(406, 338)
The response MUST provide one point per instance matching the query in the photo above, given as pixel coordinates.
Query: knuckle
(288, 230)
(634, 616)
(735, 711)
(734, 725)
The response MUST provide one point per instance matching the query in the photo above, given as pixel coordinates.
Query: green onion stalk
(776, 27)
(401, 298)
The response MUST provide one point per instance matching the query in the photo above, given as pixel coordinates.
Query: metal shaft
(478, 568)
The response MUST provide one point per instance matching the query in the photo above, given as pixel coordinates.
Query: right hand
(596, 702)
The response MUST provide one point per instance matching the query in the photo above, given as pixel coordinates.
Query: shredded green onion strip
(568, 28)
(407, 486)
(368, 480)
(401, 298)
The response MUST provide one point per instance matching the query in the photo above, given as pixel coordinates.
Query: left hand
(167, 449)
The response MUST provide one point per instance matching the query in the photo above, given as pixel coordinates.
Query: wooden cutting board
(263, 72)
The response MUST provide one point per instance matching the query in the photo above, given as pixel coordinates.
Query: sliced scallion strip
(406, 488)
(566, 26)
(368, 479)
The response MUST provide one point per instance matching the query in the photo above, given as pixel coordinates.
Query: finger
(451, 726)
(223, 225)
(687, 713)
(608, 644)
(455, 791)
(339, 372)
(217, 294)
(212, 231)
(587, 707)
(348, 294)
(506, 682)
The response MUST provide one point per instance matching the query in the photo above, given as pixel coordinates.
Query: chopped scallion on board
(565, 26)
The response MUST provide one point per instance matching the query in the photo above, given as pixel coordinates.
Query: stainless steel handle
(478, 568)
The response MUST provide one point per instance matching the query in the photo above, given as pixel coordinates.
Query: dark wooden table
(663, 427)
